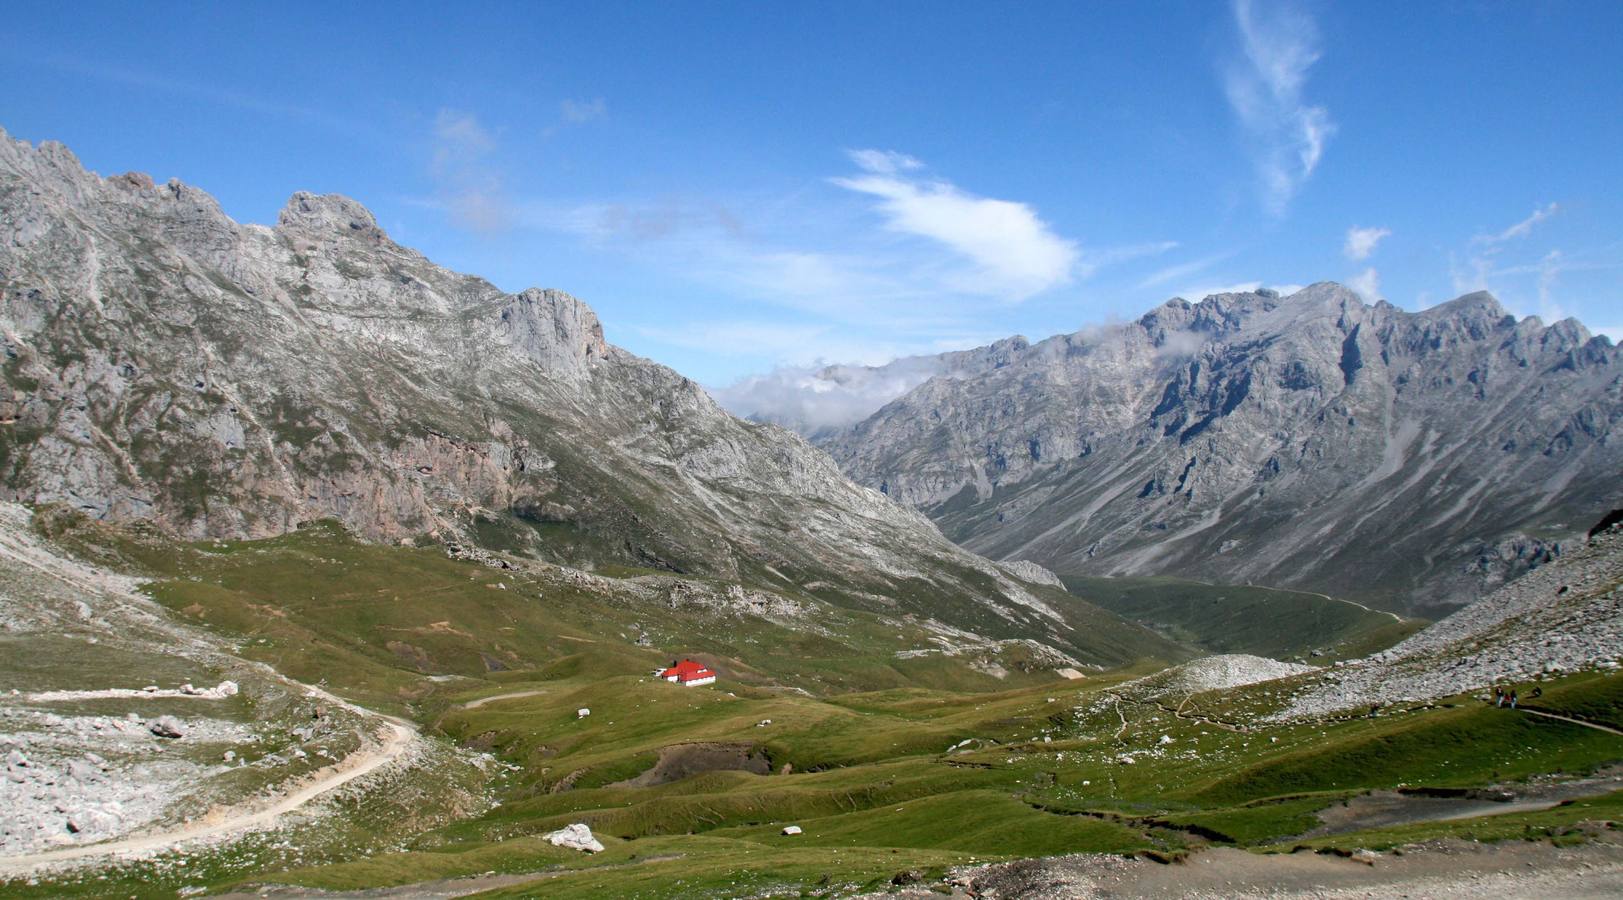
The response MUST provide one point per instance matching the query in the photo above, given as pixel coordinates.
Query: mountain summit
(1406, 459)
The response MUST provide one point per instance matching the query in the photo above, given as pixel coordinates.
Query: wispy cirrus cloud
(1279, 45)
(1361, 242)
(1180, 271)
(1481, 262)
(1011, 251)
(1520, 229)
(1093, 260)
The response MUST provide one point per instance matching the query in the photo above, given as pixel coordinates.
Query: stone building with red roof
(689, 674)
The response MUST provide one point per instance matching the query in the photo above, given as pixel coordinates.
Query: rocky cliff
(164, 362)
(1411, 460)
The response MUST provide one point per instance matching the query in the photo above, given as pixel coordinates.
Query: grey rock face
(161, 361)
(1410, 460)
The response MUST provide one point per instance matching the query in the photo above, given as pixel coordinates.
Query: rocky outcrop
(1408, 460)
(1561, 618)
(1026, 570)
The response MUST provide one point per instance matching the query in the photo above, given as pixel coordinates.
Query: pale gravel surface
(107, 775)
(393, 740)
(152, 692)
(81, 784)
(1212, 673)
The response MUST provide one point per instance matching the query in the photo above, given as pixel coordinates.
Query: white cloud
(1366, 284)
(809, 399)
(817, 396)
(577, 112)
(470, 187)
(1361, 242)
(1280, 45)
(1520, 229)
(1013, 253)
(804, 390)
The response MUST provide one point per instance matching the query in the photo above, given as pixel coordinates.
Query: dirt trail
(1395, 616)
(1549, 715)
(395, 738)
(475, 704)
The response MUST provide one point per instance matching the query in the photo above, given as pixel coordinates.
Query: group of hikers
(1503, 697)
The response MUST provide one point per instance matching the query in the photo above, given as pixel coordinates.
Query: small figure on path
(1498, 696)
(1512, 699)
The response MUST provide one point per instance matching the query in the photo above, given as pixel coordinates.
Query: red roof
(688, 670)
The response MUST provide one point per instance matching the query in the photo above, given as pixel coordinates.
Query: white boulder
(582, 713)
(576, 837)
(792, 829)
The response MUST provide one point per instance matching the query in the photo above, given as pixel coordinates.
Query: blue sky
(736, 187)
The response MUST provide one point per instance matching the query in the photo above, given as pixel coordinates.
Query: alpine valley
(327, 571)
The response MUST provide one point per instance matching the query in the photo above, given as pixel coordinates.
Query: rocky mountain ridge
(162, 362)
(1409, 460)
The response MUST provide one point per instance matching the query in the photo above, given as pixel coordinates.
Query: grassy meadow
(894, 767)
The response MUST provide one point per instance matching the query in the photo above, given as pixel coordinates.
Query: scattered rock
(167, 727)
(791, 829)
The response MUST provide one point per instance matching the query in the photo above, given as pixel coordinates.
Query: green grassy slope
(1246, 619)
(889, 769)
